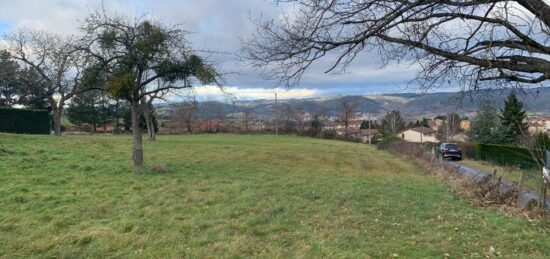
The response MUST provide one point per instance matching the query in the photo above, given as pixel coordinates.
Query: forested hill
(536, 101)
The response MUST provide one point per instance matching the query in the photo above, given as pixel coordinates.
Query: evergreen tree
(316, 125)
(83, 110)
(512, 119)
(9, 81)
(424, 123)
(93, 108)
(485, 126)
(365, 124)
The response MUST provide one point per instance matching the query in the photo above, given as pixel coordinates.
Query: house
(370, 134)
(539, 124)
(419, 134)
(460, 137)
(536, 127)
(465, 125)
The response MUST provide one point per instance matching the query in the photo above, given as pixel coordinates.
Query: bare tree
(214, 113)
(347, 112)
(135, 52)
(450, 127)
(477, 43)
(157, 92)
(300, 115)
(184, 113)
(319, 120)
(248, 115)
(56, 63)
(392, 124)
(287, 113)
(538, 146)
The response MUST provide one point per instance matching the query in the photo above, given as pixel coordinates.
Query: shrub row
(24, 121)
(504, 155)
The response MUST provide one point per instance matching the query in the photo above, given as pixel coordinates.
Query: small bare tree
(287, 116)
(184, 113)
(248, 115)
(157, 92)
(538, 145)
(348, 105)
(450, 127)
(392, 124)
(214, 113)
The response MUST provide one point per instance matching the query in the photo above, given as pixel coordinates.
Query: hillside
(415, 105)
(238, 196)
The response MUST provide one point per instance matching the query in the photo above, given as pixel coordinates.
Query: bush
(24, 121)
(386, 142)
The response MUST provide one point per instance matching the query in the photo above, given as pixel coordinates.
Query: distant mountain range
(537, 101)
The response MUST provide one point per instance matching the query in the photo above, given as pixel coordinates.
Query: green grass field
(238, 196)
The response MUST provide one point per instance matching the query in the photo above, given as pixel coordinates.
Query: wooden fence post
(545, 186)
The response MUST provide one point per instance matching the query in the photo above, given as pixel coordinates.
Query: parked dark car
(449, 150)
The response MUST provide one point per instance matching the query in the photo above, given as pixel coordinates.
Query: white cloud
(236, 93)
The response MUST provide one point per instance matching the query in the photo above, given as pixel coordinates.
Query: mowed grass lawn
(238, 196)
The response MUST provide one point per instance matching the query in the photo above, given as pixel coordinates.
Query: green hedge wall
(508, 155)
(24, 121)
(469, 150)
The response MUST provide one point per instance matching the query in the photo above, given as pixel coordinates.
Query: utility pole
(447, 128)
(368, 135)
(276, 116)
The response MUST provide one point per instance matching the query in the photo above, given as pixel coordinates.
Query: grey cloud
(215, 25)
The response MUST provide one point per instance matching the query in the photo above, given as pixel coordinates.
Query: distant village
(181, 118)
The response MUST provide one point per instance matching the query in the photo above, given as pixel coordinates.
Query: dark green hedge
(469, 150)
(508, 155)
(24, 121)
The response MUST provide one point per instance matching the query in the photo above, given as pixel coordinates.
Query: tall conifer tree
(512, 118)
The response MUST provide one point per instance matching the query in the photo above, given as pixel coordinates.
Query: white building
(419, 134)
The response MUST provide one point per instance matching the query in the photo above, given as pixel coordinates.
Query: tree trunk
(137, 141)
(148, 121)
(117, 119)
(57, 120)
(151, 129)
(189, 126)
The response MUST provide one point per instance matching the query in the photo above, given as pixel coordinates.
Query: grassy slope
(237, 196)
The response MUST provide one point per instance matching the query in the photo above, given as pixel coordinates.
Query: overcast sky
(216, 25)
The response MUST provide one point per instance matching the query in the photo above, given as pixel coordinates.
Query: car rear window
(451, 146)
